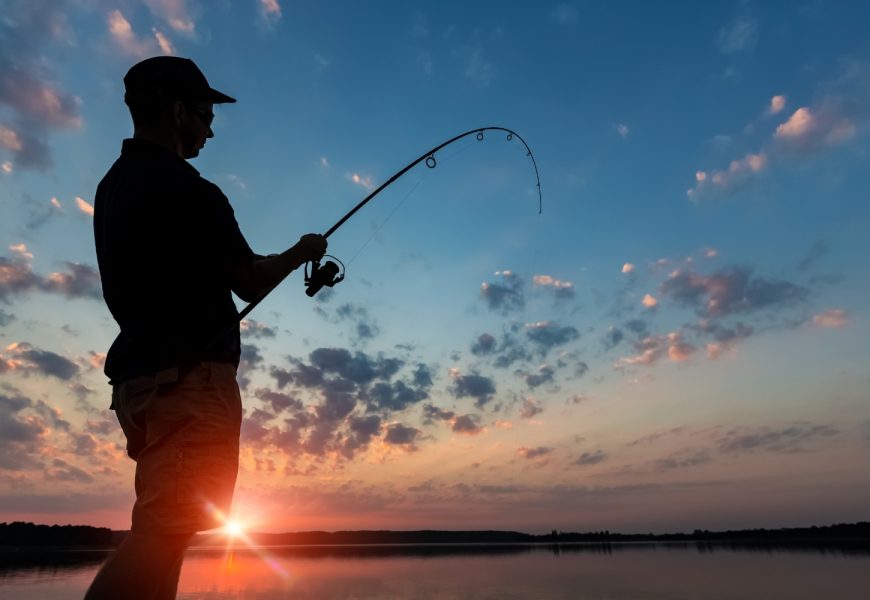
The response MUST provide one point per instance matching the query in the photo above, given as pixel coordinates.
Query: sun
(233, 528)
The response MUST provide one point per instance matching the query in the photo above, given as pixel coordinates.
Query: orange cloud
(627, 268)
(7, 167)
(84, 206)
(806, 130)
(649, 301)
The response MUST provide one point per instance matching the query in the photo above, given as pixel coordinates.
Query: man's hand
(311, 246)
(252, 280)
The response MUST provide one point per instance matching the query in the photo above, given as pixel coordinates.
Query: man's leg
(144, 567)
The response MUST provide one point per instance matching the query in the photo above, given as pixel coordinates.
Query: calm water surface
(590, 572)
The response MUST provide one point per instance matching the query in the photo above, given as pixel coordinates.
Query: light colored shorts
(183, 434)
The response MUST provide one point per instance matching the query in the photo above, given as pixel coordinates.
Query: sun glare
(233, 528)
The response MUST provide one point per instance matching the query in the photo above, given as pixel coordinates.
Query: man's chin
(192, 153)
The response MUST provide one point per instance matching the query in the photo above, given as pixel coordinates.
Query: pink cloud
(125, 38)
(649, 301)
(270, 9)
(175, 12)
(833, 317)
(777, 103)
(627, 268)
(806, 130)
(9, 139)
(737, 174)
(364, 181)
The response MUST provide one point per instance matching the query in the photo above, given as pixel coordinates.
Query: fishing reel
(327, 274)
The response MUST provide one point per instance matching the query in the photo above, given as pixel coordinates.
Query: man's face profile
(194, 126)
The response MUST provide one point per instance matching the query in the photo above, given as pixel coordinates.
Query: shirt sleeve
(228, 246)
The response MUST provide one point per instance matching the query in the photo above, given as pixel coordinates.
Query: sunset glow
(679, 340)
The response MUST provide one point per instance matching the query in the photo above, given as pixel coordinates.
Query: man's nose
(210, 133)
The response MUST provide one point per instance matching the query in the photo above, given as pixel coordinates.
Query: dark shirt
(166, 241)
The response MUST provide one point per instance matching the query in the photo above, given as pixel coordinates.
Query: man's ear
(178, 112)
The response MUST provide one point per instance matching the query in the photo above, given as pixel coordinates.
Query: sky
(678, 341)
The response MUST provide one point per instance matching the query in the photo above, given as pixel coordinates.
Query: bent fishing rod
(329, 274)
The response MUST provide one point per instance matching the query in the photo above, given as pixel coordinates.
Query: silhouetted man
(170, 253)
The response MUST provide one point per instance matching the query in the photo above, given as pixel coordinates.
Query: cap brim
(216, 97)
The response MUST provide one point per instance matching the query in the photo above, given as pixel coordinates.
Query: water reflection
(625, 571)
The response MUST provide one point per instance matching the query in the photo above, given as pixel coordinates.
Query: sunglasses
(204, 116)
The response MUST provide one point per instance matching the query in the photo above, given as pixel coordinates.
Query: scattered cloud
(649, 301)
(532, 453)
(738, 174)
(36, 103)
(777, 103)
(806, 131)
(561, 289)
(17, 277)
(628, 268)
(739, 36)
(128, 42)
(793, 438)
(84, 206)
(547, 335)
(729, 291)
(270, 10)
(475, 386)
(402, 435)
(364, 181)
(832, 317)
(176, 13)
(622, 130)
(24, 359)
(530, 408)
(253, 329)
(505, 295)
(467, 424)
(591, 458)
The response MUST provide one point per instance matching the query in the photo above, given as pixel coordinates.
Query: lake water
(576, 572)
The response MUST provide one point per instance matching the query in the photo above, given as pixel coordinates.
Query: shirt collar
(137, 147)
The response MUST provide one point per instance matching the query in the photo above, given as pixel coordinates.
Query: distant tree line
(30, 534)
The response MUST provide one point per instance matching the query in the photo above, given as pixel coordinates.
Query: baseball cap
(174, 77)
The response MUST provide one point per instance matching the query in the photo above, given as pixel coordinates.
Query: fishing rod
(329, 274)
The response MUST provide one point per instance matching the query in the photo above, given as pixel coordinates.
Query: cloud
(270, 10)
(730, 291)
(622, 130)
(777, 103)
(564, 14)
(649, 301)
(127, 41)
(483, 345)
(365, 327)
(628, 268)
(530, 408)
(475, 386)
(84, 206)
(402, 435)
(364, 181)
(739, 36)
(531, 453)
(7, 167)
(653, 348)
(175, 13)
(467, 424)
(253, 329)
(591, 458)
(806, 131)
(432, 413)
(832, 317)
(818, 250)
(561, 289)
(739, 173)
(79, 281)
(504, 297)
(794, 438)
(544, 374)
(547, 335)
(21, 357)
(37, 104)
(690, 457)
(478, 69)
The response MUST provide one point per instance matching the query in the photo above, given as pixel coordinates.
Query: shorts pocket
(207, 473)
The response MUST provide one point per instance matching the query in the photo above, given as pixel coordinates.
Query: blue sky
(678, 341)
